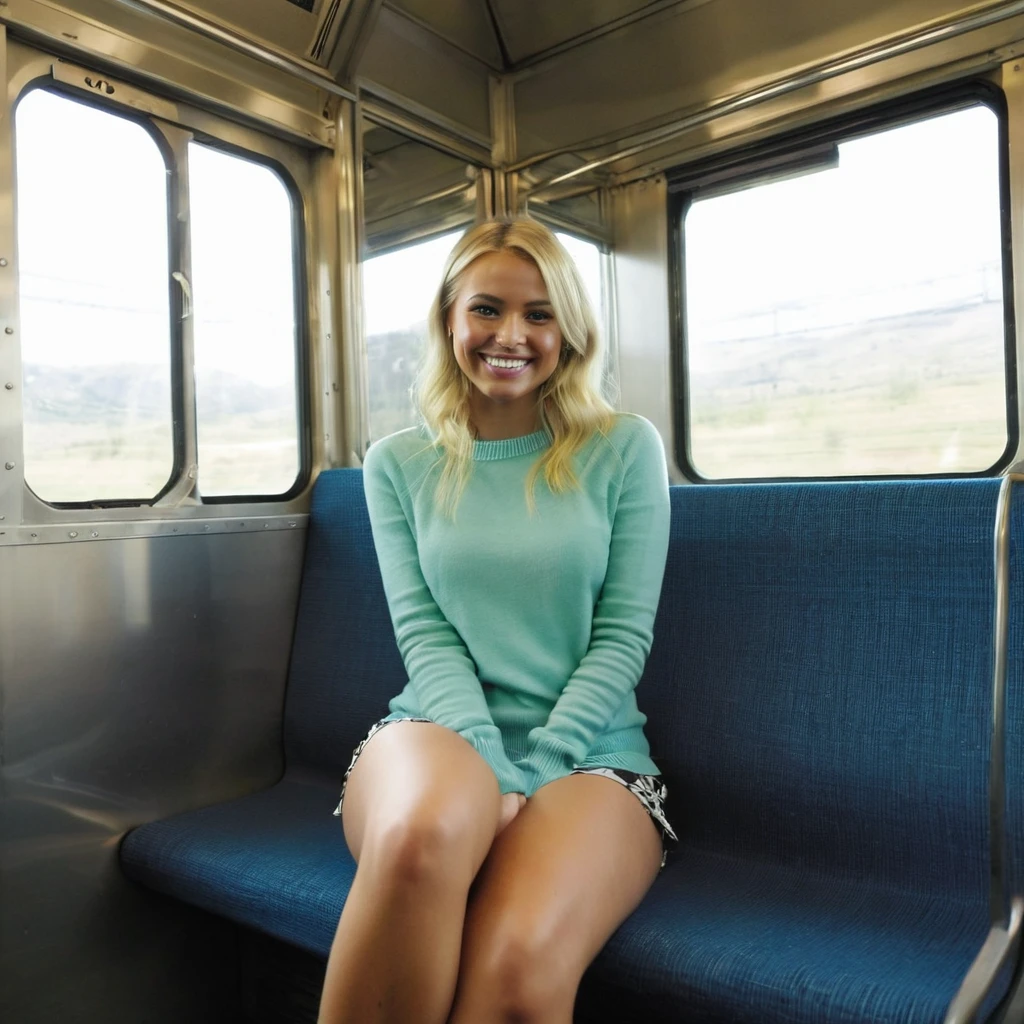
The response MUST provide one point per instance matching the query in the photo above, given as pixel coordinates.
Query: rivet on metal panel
(292, 525)
(206, 527)
(8, 330)
(3, 261)
(8, 465)
(72, 534)
(241, 524)
(33, 535)
(2, 518)
(8, 386)
(266, 526)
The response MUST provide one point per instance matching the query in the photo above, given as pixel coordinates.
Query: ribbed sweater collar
(485, 451)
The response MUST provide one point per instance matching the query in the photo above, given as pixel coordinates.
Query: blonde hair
(571, 406)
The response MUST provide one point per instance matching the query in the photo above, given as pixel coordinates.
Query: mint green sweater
(526, 633)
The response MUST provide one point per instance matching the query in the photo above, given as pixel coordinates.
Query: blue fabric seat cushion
(717, 939)
(721, 939)
(275, 861)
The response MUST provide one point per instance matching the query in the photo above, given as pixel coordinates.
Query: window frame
(162, 120)
(302, 326)
(174, 305)
(762, 161)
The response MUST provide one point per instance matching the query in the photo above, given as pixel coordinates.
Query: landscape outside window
(849, 321)
(94, 302)
(95, 311)
(244, 325)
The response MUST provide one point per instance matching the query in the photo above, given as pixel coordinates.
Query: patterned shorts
(648, 789)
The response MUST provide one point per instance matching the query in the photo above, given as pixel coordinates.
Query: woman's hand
(511, 805)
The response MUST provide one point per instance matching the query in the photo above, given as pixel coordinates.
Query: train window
(396, 322)
(587, 256)
(92, 238)
(245, 325)
(398, 288)
(848, 319)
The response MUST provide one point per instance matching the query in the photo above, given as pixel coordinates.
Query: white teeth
(505, 364)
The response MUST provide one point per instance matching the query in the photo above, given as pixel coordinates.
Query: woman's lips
(512, 366)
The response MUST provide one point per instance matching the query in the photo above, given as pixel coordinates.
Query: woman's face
(504, 333)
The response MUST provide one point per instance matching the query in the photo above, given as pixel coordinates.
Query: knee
(421, 850)
(526, 977)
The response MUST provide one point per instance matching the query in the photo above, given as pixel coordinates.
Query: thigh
(565, 874)
(412, 774)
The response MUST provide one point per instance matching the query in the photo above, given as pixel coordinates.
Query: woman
(509, 817)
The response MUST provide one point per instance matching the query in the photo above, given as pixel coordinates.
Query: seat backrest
(345, 664)
(818, 689)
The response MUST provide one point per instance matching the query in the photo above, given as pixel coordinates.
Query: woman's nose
(511, 331)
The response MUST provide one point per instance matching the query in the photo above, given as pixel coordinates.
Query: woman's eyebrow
(500, 302)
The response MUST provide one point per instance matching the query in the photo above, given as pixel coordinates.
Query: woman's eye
(485, 310)
(540, 317)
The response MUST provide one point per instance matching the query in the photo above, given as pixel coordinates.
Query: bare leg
(566, 873)
(421, 810)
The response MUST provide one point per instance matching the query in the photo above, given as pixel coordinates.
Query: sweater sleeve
(623, 624)
(442, 673)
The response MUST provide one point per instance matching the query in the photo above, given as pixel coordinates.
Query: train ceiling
(503, 34)
(542, 86)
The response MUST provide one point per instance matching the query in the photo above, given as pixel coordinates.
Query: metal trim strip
(79, 532)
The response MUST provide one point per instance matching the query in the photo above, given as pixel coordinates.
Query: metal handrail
(1003, 940)
(814, 75)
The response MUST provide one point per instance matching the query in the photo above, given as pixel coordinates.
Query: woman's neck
(499, 422)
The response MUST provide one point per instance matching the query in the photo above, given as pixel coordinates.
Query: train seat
(835, 640)
(818, 699)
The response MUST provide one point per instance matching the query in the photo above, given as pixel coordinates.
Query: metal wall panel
(138, 678)
(684, 58)
(465, 23)
(174, 59)
(640, 229)
(285, 26)
(531, 28)
(973, 54)
(423, 73)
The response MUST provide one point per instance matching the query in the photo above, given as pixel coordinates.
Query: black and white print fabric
(650, 790)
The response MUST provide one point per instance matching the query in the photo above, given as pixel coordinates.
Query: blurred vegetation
(914, 394)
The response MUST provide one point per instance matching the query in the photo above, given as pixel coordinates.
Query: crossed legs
(444, 921)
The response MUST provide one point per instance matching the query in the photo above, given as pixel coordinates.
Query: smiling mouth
(504, 363)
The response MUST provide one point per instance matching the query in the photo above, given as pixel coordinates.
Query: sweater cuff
(548, 758)
(486, 741)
